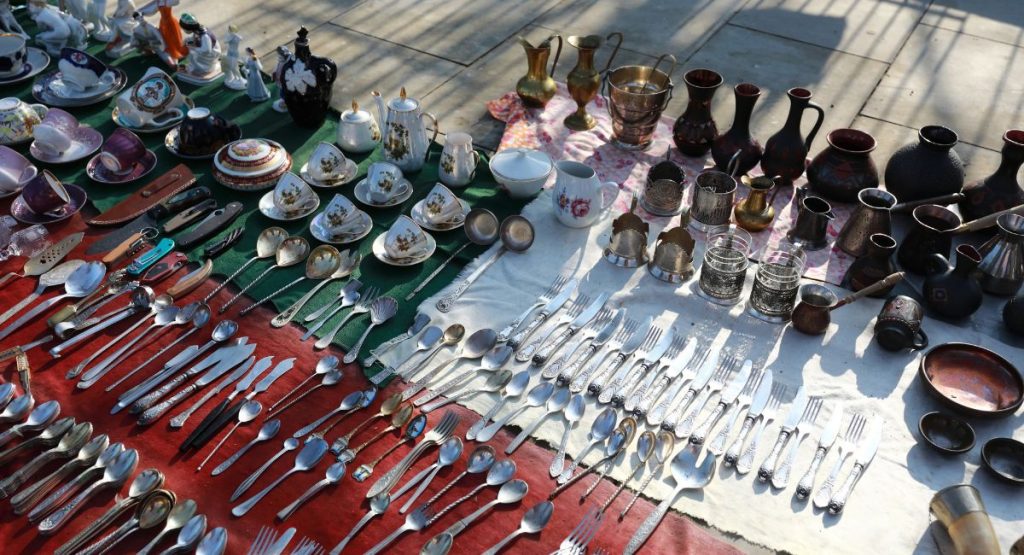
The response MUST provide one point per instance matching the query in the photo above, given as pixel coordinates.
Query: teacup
(383, 179)
(292, 194)
(54, 134)
(12, 54)
(122, 150)
(203, 132)
(405, 239)
(45, 193)
(154, 100)
(341, 216)
(441, 206)
(326, 163)
(80, 71)
(15, 170)
(17, 120)
(458, 160)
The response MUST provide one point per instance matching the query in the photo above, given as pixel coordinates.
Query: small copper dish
(1004, 457)
(947, 434)
(973, 380)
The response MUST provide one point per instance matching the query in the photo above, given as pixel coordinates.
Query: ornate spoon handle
(455, 503)
(353, 353)
(385, 347)
(29, 496)
(149, 399)
(23, 474)
(229, 279)
(491, 413)
(433, 274)
(567, 473)
(558, 462)
(649, 524)
(445, 489)
(445, 388)
(445, 303)
(224, 307)
(283, 288)
(69, 489)
(640, 490)
(289, 313)
(52, 523)
(388, 480)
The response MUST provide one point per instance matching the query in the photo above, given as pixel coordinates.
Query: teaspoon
(449, 452)
(330, 379)
(189, 534)
(38, 419)
(378, 504)
(555, 403)
(498, 475)
(86, 456)
(267, 244)
(493, 360)
(114, 476)
(290, 252)
(480, 460)
(106, 458)
(511, 492)
(387, 408)
(180, 515)
(308, 457)
(602, 427)
(614, 445)
(412, 431)
(399, 419)
(267, 432)
(348, 261)
(46, 439)
(347, 403)
(514, 389)
(71, 441)
(419, 322)
(450, 337)
(153, 511)
(476, 346)
(250, 410)
(325, 365)
(213, 542)
(534, 520)
(573, 414)
(663, 447)
(644, 451)
(535, 398)
(290, 444)
(321, 263)
(147, 482)
(335, 473)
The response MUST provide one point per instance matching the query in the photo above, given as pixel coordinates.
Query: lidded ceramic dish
(250, 164)
(521, 172)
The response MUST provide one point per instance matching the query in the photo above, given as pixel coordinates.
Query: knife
(728, 397)
(672, 372)
(581, 320)
(562, 369)
(229, 359)
(48, 258)
(172, 205)
(174, 181)
(218, 247)
(150, 257)
(212, 224)
(554, 304)
(154, 412)
(164, 268)
(190, 281)
(218, 410)
(796, 410)
(568, 374)
(650, 359)
(619, 368)
(828, 437)
(185, 218)
(865, 453)
(657, 415)
(179, 420)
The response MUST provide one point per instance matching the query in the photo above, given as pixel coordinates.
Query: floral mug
(579, 197)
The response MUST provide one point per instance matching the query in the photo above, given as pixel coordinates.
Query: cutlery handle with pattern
(806, 484)
(391, 477)
(22, 475)
(385, 347)
(418, 385)
(824, 494)
(545, 352)
(558, 461)
(717, 445)
(505, 333)
(525, 333)
(701, 433)
(781, 477)
(65, 492)
(52, 523)
(641, 392)
(636, 494)
(567, 473)
(289, 313)
(647, 527)
(683, 428)
(488, 432)
(277, 292)
(445, 303)
(746, 460)
(629, 384)
(602, 379)
(229, 279)
(835, 506)
(28, 497)
(578, 380)
(241, 292)
(151, 398)
(479, 424)
(657, 415)
(444, 388)
(445, 489)
(104, 544)
(353, 353)
(767, 469)
(153, 413)
(179, 420)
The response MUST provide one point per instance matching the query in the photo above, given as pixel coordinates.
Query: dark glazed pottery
(1013, 315)
(695, 128)
(954, 291)
(785, 153)
(926, 169)
(946, 433)
(738, 136)
(898, 325)
(930, 235)
(1000, 190)
(874, 266)
(307, 84)
(1004, 457)
(972, 380)
(845, 167)
(203, 133)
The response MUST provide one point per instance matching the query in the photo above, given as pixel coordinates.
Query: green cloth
(260, 120)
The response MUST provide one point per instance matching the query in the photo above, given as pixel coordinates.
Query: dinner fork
(746, 460)
(542, 300)
(732, 413)
(622, 365)
(597, 361)
(715, 384)
(361, 307)
(439, 434)
(581, 536)
(570, 314)
(846, 448)
(668, 386)
(270, 543)
(641, 391)
(559, 366)
(308, 547)
(803, 428)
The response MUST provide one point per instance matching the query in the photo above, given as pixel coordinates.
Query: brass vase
(584, 80)
(537, 87)
(755, 213)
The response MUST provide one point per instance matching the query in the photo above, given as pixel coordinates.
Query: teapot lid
(403, 103)
(355, 115)
(521, 164)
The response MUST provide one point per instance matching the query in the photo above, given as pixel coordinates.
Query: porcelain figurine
(174, 40)
(122, 25)
(146, 38)
(54, 31)
(283, 56)
(203, 62)
(8, 23)
(231, 65)
(79, 37)
(101, 30)
(77, 10)
(255, 87)
(308, 80)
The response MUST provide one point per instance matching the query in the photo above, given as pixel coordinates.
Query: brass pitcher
(583, 81)
(537, 87)
(756, 212)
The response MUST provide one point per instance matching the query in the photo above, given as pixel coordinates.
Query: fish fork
(746, 460)
(581, 536)
(542, 300)
(593, 369)
(361, 307)
(718, 379)
(436, 436)
(781, 477)
(846, 448)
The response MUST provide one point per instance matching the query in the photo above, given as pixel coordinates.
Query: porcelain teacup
(80, 71)
(54, 134)
(122, 150)
(13, 53)
(154, 100)
(341, 216)
(383, 179)
(326, 163)
(441, 206)
(15, 170)
(17, 119)
(405, 239)
(292, 194)
(45, 193)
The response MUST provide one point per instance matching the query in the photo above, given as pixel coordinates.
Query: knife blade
(215, 415)
(760, 399)
(831, 430)
(268, 380)
(655, 354)
(223, 367)
(704, 374)
(50, 256)
(796, 410)
(732, 391)
(558, 300)
(184, 218)
(213, 223)
(589, 312)
(634, 341)
(869, 446)
(609, 329)
(172, 205)
(682, 360)
(258, 369)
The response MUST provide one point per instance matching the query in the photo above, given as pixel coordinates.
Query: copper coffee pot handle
(941, 200)
(987, 221)
(889, 281)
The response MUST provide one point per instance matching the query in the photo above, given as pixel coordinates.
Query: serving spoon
(266, 246)
(78, 284)
(320, 264)
(290, 252)
(348, 261)
(55, 276)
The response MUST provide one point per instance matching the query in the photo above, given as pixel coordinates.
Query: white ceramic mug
(579, 197)
(154, 99)
(458, 160)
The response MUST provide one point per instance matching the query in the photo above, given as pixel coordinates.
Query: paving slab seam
(407, 47)
(977, 36)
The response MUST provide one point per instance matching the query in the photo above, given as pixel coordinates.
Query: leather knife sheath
(176, 179)
(216, 221)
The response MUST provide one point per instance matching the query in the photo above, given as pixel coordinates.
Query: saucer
(36, 61)
(271, 211)
(382, 255)
(43, 92)
(362, 194)
(320, 232)
(25, 215)
(85, 142)
(60, 89)
(99, 173)
(417, 216)
(187, 105)
(171, 144)
(351, 169)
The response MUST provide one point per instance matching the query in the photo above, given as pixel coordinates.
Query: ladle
(200, 318)
(348, 261)
(71, 441)
(267, 432)
(510, 492)
(147, 482)
(178, 518)
(534, 520)
(114, 476)
(157, 305)
(325, 365)
(812, 314)
(38, 419)
(476, 346)
(290, 252)
(55, 276)
(320, 264)
(449, 452)
(79, 283)
(308, 457)
(335, 473)
(481, 228)
(290, 444)
(86, 456)
(387, 408)
(266, 246)
(106, 458)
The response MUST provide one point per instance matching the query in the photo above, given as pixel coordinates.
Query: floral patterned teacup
(341, 216)
(441, 206)
(384, 181)
(580, 199)
(292, 194)
(326, 163)
(18, 119)
(405, 239)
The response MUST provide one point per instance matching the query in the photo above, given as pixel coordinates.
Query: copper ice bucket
(637, 95)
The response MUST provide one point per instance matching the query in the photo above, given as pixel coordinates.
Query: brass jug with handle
(584, 80)
(537, 87)
(755, 212)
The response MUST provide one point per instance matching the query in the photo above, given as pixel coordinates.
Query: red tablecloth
(329, 516)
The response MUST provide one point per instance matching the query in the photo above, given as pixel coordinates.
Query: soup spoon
(266, 246)
(290, 252)
(335, 473)
(86, 456)
(114, 476)
(213, 542)
(266, 433)
(180, 515)
(38, 419)
(320, 264)
(348, 261)
(189, 534)
(573, 414)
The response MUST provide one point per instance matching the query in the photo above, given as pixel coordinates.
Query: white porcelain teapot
(404, 133)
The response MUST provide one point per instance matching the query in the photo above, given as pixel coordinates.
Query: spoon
(573, 414)
(70, 442)
(555, 403)
(534, 520)
(644, 450)
(158, 304)
(419, 322)
(106, 458)
(378, 505)
(147, 482)
(55, 276)
(493, 360)
(427, 340)
(351, 400)
(347, 262)
(688, 475)
(165, 317)
(516, 234)
(151, 513)
(17, 409)
(38, 419)
(511, 492)
(535, 398)
(328, 380)
(417, 520)
(412, 431)
(266, 246)
(335, 473)
(290, 252)
(476, 346)
(495, 382)
(180, 515)
(86, 456)
(387, 408)
(6, 394)
(308, 457)
(267, 432)
(213, 542)
(50, 436)
(663, 447)
(321, 263)
(290, 444)
(79, 283)
(188, 535)
(399, 419)
(323, 366)
(250, 410)
(481, 228)
(515, 388)
(431, 340)
(114, 476)
(602, 427)
(360, 302)
(450, 451)
(382, 310)
(348, 296)
(498, 475)
(613, 446)
(628, 427)
(180, 317)
(141, 299)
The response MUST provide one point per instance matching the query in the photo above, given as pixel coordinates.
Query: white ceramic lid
(355, 115)
(248, 150)
(403, 103)
(521, 164)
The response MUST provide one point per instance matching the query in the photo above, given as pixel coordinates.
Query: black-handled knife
(174, 204)
(214, 222)
(186, 217)
(216, 248)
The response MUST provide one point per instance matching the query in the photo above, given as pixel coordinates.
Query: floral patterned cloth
(543, 130)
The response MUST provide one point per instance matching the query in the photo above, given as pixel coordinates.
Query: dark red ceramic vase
(738, 136)
(785, 153)
(845, 167)
(695, 128)
(1000, 190)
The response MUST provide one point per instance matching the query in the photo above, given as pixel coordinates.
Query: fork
(381, 310)
(622, 366)
(846, 448)
(560, 366)
(264, 538)
(803, 428)
(308, 547)
(732, 413)
(717, 382)
(668, 386)
(542, 300)
(597, 361)
(272, 543)
(631, 395)
(438, 435)
(581, 536)
(361, 307)
(746, 460)
(574, 310)
(623, 383)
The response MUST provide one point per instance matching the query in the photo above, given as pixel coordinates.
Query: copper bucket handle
(614, 52)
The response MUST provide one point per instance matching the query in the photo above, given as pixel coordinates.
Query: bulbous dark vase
(845, 167)
(695, 128)
(1000, 190)
(307, 81)
(738, 136)
(874, 266)
(954, 291)
(785, 153)
(1013, 314)
(928, 168)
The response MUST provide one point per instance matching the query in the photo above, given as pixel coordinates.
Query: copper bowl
(1004, 457)
(973, 380)
(947, 434)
